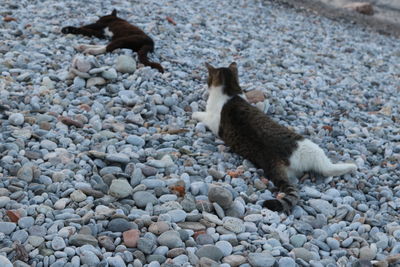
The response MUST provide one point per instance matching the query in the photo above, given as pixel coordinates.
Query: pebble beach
(102, 165)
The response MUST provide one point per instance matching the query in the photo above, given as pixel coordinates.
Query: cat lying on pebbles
(280, 152)
(122, 34)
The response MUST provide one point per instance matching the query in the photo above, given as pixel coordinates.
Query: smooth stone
(58, 243)
(120, 188)
(158, 228)
(303, 254)
(220, 195)
(131, 237)
(4, 200)
(89, 257)
(120, 225)
(177, 215)
(16, 119)
(210, 251)
(203, 239)
(4, 262)
(116, 261)
(7, 227)
(20, 235)
(171, 239)
(110, 74)
(286, 262)
(82, 239)
(212, 218)
(35, 241)
(142, 198)
(26, 222)
(234, 260)
(298, 240)
(367, 253)
(125, 64)
(145, 245)
(26, 172)
(95, 81)
(225, 247)
(261, 259)
(322, 206)
(78, 196)
(118, 157)
(135, 140)
(233, 224)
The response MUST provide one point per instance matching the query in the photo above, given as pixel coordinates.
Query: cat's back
(252, 133)
(122, 28)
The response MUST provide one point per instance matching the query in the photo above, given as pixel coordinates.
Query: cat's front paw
(68, 29)
(273, 204)
(199, 116)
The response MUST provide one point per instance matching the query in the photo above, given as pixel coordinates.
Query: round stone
(233, 224)
(220, 195)
(58, 243)
(4, 262)
(143, 197)
(125, 64)
(210, 251)
(261, 259)
(120, 188)
(171, 239)
(225, 247)
(16, 119)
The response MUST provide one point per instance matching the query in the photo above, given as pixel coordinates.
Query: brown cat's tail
(291, 197)
(142, 53)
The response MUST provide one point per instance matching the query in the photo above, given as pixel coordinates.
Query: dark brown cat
(280, 152)
(123, 35)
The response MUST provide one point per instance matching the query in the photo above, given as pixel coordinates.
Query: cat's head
(108, 18)
(227, 78)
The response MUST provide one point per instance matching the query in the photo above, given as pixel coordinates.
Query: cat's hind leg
(281, 181)
(100, 49)
(83, 47)
(310, 157)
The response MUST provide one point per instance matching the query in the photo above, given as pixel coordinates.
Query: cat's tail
(291, 196)
(142, 54)
(310, 157)
(338, 169)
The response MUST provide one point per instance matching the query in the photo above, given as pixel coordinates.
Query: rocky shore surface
(102, 165)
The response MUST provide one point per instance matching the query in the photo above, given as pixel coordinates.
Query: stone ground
(386, 18)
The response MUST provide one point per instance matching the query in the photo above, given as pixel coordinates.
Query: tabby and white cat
(280, 152)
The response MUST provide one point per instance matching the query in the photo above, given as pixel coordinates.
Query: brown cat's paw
(68, 29)
(273, 204)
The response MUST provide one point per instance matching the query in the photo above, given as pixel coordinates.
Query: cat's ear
(210, 68)
(114, 13)
(233, 68)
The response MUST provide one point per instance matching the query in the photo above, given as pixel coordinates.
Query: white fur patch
(212, 116)
(108, 33)
(310, 157)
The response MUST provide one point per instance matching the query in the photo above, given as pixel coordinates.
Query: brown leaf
(13, 215)
(235, 174)
(196, 234)
(178, 190)
(85, 107)
(170, 20)
(8, 19)
(70, 122)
